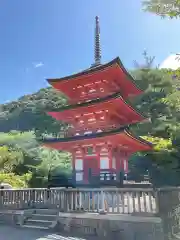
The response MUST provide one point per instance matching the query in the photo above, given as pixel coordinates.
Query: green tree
(160, 102)
(14, 180)
(52, 163)
(163, 8)
(154, 103)
(162, 164)
(29, 113)
(9, 159)
(21, 155)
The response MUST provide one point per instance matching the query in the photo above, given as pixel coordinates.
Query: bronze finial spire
(97, 46)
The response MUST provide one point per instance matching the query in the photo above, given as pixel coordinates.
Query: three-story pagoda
(99, 116)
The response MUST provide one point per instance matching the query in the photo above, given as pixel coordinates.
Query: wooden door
(90, 165)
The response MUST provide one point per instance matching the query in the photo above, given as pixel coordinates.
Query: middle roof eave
(97, 101)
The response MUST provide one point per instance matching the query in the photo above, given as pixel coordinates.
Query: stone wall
(11, 217)
(109, 227)
(97, 226)
(169, 211)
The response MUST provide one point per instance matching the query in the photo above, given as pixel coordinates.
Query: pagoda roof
(121, 138)
(110, 110)
(110, 78)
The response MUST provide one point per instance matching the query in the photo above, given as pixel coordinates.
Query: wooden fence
(111, 200)
(162, 202)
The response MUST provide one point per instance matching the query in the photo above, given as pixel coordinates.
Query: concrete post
(102, 211)
(1, 197)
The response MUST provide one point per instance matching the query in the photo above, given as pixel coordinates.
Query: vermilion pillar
(110, 156)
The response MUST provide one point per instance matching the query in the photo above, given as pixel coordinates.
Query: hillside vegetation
(22, 121)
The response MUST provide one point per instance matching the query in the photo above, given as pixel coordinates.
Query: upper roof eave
(84, 72)
(94, 70)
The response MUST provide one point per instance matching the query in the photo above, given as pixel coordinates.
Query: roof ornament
(97, 45)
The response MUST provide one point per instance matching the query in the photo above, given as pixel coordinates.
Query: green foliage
(161, 104)
(21, 154)
(14, 180)
(163, 151)
(162, 164)
(53, 162)
(29, 113)
(9, 158)
(158, 103)
(163, 8)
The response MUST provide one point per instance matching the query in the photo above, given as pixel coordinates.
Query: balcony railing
(110, 200)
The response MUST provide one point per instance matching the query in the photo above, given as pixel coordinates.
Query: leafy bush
(14, 180)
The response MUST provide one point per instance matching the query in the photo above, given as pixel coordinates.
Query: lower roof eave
(121, 139)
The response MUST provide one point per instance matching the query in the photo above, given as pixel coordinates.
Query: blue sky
(54, 38)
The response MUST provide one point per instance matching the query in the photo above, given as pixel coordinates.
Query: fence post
(157, 198)
(1, 196)
(66, 200)
(121, 179)
(102, 202)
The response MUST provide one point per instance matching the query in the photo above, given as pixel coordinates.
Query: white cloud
(171, 62)
(38, 65)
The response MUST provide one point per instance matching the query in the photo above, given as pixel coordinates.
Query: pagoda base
(104, 178)
(98, 154)
(99, 164)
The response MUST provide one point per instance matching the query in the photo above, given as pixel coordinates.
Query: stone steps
(41, 219)
(34, 227)
(46, 211)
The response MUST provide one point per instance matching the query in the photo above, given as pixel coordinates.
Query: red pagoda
(99, 117)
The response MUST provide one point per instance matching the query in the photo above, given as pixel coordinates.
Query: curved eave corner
(142, 140)
(130, 77)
